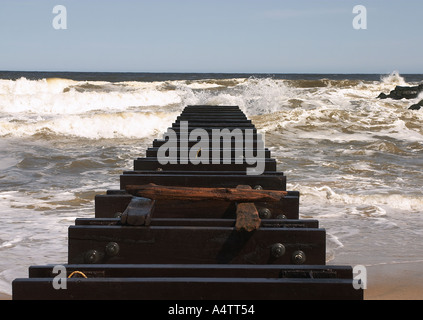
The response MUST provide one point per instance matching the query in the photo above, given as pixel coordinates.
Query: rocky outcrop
(401, 92)
(416, 106)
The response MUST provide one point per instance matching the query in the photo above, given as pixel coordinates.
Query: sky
(218, 36)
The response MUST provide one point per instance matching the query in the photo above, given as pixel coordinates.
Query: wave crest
(393, 79)
(131, 125)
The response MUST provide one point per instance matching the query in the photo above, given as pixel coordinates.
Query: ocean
(355, 159)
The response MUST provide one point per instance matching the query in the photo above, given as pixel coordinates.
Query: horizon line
(214, 72)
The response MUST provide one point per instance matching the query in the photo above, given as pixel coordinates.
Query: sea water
(355, 159)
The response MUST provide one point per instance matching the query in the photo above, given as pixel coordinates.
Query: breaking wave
(102, 109)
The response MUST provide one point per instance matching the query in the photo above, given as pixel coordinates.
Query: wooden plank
(203, 222)
(187, 289)
(197, 270)
(217, 111)
(191, 125)
(218, 131)
(152, 152)
(154, 164)
(191, 173)
(266, 181)
(210, 107)
(108, 205)
(117, 200)
(199, 118)
(251, 143)
(218, 116)
(247, 216)
(202, 245)
(239, 194)
(138, 212)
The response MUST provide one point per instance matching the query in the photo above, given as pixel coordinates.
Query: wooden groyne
(195, 231)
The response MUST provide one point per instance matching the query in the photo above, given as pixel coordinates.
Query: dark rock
(416, 106)
(401, 92)
(405, 93)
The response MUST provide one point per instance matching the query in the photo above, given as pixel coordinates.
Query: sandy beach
(5, 297)
(402, 281)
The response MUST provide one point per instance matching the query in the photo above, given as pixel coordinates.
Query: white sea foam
(366, 204)
(93, 126)
(34, 105)
(393, 79)
(46, 97)
(10, 243)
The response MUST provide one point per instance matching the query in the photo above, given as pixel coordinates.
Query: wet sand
(5, 297)
(400, 281)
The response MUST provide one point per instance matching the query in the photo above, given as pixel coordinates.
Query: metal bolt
(258, 187)
(92, 256)
(264, 213)
(299, 257)
(112, 249)
(277, 250)
(281, 217)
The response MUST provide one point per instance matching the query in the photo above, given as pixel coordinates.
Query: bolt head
(92, 256)
(298, 257)
(277, 250)
(112, 249)
(264, 213)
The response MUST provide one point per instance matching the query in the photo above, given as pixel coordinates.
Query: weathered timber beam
(138, 212)
(156, 192)
(247, 216)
